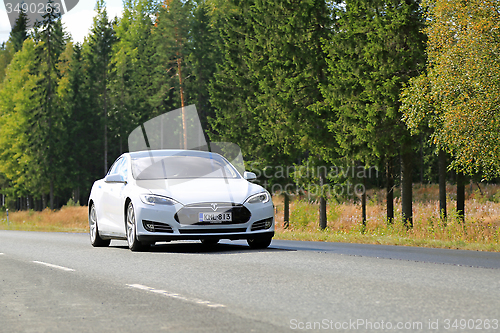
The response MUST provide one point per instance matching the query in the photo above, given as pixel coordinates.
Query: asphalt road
(51, 282)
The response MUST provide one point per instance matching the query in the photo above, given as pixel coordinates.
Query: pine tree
(46, 118)
(203, 57)
(232, 88)
(132, 70)
(285, 57)
(19, 32)
(171, 37)
(97, 52)
(80, 135)
(268, 81)
(18, 35)
(377, 47)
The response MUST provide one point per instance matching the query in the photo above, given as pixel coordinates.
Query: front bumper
(231, 236)
(156, 224)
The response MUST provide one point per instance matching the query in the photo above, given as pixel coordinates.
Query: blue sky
(77, 22)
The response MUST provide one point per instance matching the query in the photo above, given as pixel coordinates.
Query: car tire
(95, 239)
(259, 242)
(133, 243)
(210, 241)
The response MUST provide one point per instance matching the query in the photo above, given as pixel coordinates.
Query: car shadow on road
(198, 248)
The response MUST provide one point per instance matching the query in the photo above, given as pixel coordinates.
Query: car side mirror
(115, 179)
(250, 176)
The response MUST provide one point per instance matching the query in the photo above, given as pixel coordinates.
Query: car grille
(212, 231)
(157, 227)
(189, 215)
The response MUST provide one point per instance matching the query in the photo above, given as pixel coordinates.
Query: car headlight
(258, 198)
(151, 199)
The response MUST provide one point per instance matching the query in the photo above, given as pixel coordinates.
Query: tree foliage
(16, 99)
(293, 83)
(97, 52)
(46, 132)
(170, 40)
(131, 70)
(377, 47)
(19, 32)
(459, 95)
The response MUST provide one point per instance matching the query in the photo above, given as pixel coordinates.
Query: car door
(112, 201)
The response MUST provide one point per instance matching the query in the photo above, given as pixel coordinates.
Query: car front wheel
(133, 242)
(95, 239)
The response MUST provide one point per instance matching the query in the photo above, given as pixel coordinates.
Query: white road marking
(177, 296)
(2, 254)
(55, 266)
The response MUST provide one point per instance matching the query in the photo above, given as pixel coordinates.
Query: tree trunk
(361, 168)
(51, 194)
(322, 213)
(184, 120)
(322, 203)
(442, 183)
(390, 191)
(286, 213)
(363, 206)
(461, 195)
(406, 185)
(105, 132)
(421, 159)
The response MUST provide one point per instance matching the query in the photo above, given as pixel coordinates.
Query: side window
(115, 167)
(123, 168)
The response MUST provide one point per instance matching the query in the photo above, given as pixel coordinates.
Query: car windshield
(182, 167)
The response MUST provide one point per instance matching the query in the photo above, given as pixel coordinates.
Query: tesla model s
(165, 195)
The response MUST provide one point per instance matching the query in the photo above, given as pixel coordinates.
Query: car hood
(202, 190)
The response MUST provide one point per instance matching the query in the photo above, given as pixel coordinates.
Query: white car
(165, 195)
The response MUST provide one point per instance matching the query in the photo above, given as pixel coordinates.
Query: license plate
(215, 217)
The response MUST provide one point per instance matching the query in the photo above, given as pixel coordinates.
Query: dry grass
(68, 219)
(480, 231)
